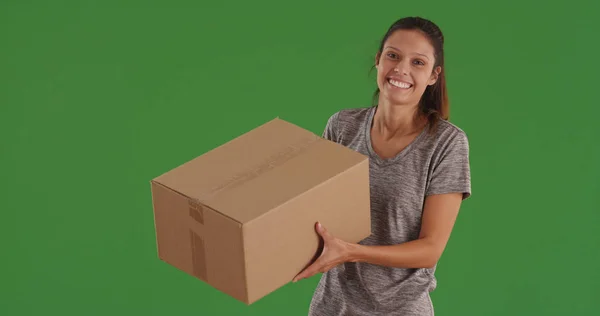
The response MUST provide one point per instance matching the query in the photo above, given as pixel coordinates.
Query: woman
(419, 175)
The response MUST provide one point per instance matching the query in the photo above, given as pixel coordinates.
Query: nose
(402, 67)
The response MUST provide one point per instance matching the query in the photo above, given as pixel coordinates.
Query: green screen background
(98, 97)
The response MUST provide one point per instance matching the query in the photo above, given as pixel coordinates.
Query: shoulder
(353, 113)
(447, 142)
(348, 119)
(345, 124)
(449, 166)
(447, 129)
(447, 134)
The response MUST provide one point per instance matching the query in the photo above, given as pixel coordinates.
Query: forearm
(420, 253)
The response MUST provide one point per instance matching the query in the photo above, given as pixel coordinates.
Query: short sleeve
(330, 132)
(452, 172)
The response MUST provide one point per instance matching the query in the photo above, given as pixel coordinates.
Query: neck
(396, 121)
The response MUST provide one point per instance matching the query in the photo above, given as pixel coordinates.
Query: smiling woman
(419, 176)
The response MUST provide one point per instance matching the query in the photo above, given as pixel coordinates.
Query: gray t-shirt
(432, 164)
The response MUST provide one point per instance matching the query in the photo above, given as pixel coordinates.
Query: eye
(419, 62)
(392, 55)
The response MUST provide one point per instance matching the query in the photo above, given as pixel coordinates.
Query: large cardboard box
(242, 216)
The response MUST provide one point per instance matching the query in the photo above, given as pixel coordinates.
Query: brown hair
(434, 102)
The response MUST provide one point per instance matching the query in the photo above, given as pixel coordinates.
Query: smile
(399, 84)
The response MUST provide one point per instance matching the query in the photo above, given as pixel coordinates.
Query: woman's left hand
(335, 252)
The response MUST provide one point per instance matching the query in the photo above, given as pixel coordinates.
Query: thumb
(322, 231)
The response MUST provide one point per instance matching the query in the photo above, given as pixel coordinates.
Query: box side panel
(176, 242)
(283, 242)
(225, 255)
(196, 240)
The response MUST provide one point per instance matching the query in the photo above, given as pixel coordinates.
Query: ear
(377, 57)
(435, 74)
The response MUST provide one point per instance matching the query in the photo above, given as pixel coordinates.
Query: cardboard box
(242, 216)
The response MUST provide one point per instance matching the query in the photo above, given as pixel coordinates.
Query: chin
(402, 103)
(399, 100)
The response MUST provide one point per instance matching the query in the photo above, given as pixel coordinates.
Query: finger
(300, 276)
(309, 271)
(322, 231)
(312, 270)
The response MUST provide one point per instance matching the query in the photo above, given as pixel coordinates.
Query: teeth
(399, 84)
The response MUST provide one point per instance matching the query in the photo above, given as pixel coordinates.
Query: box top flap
(259, 170)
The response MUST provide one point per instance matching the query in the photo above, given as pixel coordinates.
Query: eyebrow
(401, 50)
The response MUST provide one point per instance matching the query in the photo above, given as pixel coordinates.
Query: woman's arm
(439, 215)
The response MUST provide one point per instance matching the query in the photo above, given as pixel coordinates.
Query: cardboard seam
(205, 201)
(157, 178)
(277, 159)
(313, 142)
(276, 207)
(199, 267)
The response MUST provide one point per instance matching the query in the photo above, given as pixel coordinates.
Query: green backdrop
(98, 97)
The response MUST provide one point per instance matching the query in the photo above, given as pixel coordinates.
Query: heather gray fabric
(431, 164)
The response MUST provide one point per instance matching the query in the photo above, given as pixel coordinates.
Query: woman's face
(405, 67)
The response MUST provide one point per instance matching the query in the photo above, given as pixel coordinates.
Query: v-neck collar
(384, 161)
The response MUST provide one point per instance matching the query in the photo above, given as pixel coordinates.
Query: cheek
(380, 77)
(382, 71)
(422, 80)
